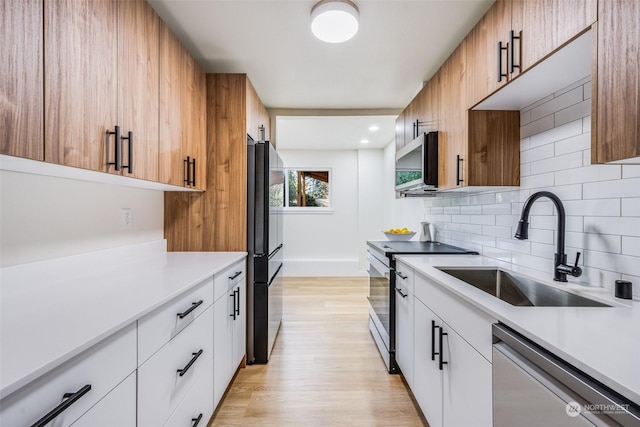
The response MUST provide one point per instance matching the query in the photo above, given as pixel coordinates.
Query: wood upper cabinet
(138, 80)
(216, 220)
(81, 84)
(182, 146)
(488, 52)
(615, 120)
(400, 131)
(546, 25)
(475, 148)
(21, 78)
(257, 116)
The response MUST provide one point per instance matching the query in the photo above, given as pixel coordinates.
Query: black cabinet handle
(233, 312)
(399, 274)
(512, 54)
(238, 306)
(129, 139)
(402, 294)
(191, 362)
(185, 313)
(433, 340)
(187, 172)
(196, 421)
(117, 161)
(500, 73)
(458, 160)
(236, 274)
(441, 363)
(71, 398)
(193, 174)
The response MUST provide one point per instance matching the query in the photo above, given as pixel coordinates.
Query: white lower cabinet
(83, 381)
(229, 335)
(197, 407)
(165, 379)
(404, 331)
(451, 377)
(118, 408)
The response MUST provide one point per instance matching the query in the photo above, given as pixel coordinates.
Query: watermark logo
(573, 409)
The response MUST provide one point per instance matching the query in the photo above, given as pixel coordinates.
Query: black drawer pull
(403, 277)
(71, 398)
(402, 294)
(458, 172)
(196, 421)
(236, 274)
(512, 63)
(187, 172)
(500, 73)
(238, 306)
(441, 363)
(191, 362)
(185, 313)
(234, 310)
(433, 340)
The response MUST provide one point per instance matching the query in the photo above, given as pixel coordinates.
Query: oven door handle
(379, 266)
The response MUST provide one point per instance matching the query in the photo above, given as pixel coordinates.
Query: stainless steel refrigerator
(265, 200)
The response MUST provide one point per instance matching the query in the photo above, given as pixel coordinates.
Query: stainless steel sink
(518, 290)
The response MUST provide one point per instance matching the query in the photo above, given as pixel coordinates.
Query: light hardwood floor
(325, 369)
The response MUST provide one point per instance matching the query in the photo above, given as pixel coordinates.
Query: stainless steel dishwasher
(532, 387)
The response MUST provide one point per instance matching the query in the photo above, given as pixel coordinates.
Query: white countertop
(604, 342)
(51, 311)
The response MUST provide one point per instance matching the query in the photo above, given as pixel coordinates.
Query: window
(307, 188)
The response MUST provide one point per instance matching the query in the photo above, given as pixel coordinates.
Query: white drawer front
(102, 367)
(471, 323)
(160, 386)
(118, 408)
(199, 401)
(404, 277)
(157, 328)
(227, 278)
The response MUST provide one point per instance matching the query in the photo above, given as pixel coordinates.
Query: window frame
(307, 209)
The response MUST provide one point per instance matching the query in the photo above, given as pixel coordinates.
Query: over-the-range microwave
(417, 166)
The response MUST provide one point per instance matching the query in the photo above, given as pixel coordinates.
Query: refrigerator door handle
(275, 274)
(275, 251)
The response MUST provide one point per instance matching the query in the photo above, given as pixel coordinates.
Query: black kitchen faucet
(561, 269)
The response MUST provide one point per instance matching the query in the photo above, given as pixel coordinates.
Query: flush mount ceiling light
(334, 21)
(364, 141)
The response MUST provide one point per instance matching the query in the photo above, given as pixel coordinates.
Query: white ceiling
(400, 44)
(334, 132)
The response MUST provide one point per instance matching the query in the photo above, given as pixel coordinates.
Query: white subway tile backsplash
(612, 189)
(631, 246)
(558, 163)
(537, 181)
(573, 144)
(538, 153)
(587, 174)
(631, 207)
(556, 134)
(574, 112)
(602, 202)
(593, 242)
(533, 128)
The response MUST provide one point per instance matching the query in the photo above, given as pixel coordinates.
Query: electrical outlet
(126, 219)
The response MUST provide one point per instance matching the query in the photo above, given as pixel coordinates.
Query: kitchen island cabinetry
(21, 78)
(404, 321)
(615, 122)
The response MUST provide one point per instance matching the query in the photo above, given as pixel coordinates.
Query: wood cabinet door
(452, 142)
(409, 122)
(485, 61)
(616, 83)
(171, 168)
(193, 108)
(467, 392)
(81, 86)
(427, 377)
(21, 79)
(548, 24)
(138, 80)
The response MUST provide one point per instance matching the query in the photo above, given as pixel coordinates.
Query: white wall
(602, 202)
(332, 244)
(43, 217)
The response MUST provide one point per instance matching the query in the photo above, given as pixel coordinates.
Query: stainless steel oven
(381, 306)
